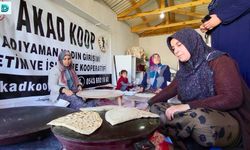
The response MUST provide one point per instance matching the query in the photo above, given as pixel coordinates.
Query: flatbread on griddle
(123, 114)
(84, 122)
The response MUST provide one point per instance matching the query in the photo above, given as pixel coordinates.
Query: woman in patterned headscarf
(156, 77)
(64, 83)
(215, 100)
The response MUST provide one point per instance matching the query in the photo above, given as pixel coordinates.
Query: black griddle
(121, 136)
(20, 124)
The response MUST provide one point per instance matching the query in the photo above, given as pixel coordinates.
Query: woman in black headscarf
(215, 100)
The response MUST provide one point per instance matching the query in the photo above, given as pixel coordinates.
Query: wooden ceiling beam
(138, 10)
(162, 4)
(166, 9)
(165, 26)
(166, 31)
(171, 14)
(189, 13)
(167, 17)
(150, 31)
(147, 21)
(193, 8)
(132, 8)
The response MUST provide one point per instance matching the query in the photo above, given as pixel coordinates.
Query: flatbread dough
(99, 93)
(145, 95)
(100, 108)
(123, 114)
(84, 122)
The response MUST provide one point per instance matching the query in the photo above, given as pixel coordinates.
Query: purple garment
(151, 63)
(233, 34)
(77, 102)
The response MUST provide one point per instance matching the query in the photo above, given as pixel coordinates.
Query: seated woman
(215, 100)
(122, 83)
(64, 83)
(156, 77)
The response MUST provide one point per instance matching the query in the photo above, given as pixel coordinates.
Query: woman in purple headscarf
(215, 100)
(156, 77)
(64, 83)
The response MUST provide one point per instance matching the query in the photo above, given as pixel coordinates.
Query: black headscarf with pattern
(194, 77)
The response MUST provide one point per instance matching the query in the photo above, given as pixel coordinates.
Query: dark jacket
(233, 34)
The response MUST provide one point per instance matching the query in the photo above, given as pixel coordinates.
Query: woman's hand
(67, 92)
(79, 88)
(212, 22)
(175, 108)
(141, 89)
(203, 29)
(158, 91)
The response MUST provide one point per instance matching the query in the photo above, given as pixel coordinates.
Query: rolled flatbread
(123, 114)
(84, 122)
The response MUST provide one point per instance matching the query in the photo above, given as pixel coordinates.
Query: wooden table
(135, 98)
(101, 93)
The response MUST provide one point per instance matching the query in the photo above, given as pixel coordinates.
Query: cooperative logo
(5, 7)
(103, 43)
(82, 80)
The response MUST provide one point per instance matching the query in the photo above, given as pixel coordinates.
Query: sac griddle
(107, 137)
(20, 124)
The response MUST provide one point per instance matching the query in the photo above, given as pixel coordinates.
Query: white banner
(31, 38)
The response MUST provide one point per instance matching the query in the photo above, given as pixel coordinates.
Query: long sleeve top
(55, 83)
(232, 94)
(166, 75)
(233, 34)
(122, 82)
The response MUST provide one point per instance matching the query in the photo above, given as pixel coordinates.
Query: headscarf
(195, 77)
(154, 73)
(68, 74)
